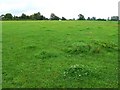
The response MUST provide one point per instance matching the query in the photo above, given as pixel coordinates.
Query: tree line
(39, 16)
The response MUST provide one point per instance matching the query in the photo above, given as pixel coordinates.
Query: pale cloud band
(119, 9)
(66, 8)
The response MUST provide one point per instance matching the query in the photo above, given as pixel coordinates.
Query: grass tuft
(76, 72)
(45, 55)
(30, 47)
(95, 47)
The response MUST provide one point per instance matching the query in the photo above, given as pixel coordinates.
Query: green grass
(60, 54)
(0, 55)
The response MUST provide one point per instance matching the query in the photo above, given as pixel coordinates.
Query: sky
(66, 8)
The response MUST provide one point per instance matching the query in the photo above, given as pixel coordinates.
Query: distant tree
(93, 18)
(32, 17)
(37, 16)
(23, 17)
(70, 19)
(43, 18)
(46, 18)
(114, 18)
(63, 18)
(54, 17)
(108, 18)
(16, 18)
(28, 17)
(88, 18)
(81, 17)
(8, 16)
(2, 16)
(101, 19)
(73, 18)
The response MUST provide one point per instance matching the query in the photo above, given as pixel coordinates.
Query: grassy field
(60, 54)
(0, 55)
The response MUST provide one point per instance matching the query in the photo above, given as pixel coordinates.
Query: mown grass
(62, 54)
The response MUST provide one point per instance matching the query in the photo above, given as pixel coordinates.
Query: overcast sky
(66, 8)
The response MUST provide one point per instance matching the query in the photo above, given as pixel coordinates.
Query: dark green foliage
(24, 17)
(93, 18)
(37, 16)
(54, 17)
(63, 18)
(115, 18)
(81, 17)
(101, 19)
(16, 18)
(8, 16)
(88, 18)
